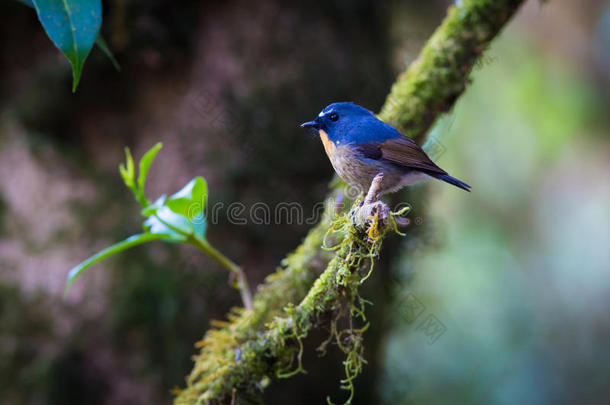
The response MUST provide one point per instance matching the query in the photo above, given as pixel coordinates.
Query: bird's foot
(371, 212)
(373, 215)
(363, 214)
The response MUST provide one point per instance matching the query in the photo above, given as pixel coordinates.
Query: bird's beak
(311, 125)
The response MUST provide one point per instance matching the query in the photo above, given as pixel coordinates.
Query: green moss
(219, 348)
(226, 362)
(431, 85)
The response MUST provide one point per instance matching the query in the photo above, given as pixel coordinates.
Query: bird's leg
(371, 205)
(374, 190)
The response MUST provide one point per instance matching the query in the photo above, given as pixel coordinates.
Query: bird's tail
(451, 180)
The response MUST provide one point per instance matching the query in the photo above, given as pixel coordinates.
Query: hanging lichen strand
(238, 357)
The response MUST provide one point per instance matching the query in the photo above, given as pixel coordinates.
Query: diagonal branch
(435, 80)
(238, 357)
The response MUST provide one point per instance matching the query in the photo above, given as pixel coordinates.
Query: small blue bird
(360, 146)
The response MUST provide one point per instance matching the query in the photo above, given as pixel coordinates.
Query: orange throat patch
(329, 147)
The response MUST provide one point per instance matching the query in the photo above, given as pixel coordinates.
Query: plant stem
(242, 281)
(140, 198)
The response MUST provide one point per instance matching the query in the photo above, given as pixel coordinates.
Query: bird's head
(339, 121)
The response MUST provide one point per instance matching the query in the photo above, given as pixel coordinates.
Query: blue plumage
(360, 146)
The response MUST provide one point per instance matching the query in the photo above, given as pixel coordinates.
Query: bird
(360, 146)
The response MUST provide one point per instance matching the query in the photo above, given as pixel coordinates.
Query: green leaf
(72, 25)
(124, 174)
(144, 165)
(191, 199)
(155, 225)
(180, 206)
(99, 41)
(190, 202)
(109, 251)
(176, 222)
(128, 171)
(199, 225)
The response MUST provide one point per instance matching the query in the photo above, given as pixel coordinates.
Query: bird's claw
(371, 206)
(362, 214)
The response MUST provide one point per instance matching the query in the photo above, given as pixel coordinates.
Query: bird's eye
(334, 116)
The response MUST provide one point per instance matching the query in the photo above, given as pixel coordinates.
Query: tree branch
(239, 356)
(435, 80)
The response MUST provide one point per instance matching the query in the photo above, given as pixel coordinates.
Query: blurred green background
(497, 296)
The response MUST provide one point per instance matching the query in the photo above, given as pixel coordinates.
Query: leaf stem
(237, 271)
(140, 198)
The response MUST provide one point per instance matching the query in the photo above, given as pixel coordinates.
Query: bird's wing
(401, 151)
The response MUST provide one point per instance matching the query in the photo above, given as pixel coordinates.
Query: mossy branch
(440, 74)
(239, 356)
(288, 284)
(227, 363)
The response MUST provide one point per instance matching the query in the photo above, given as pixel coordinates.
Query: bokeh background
(497, 296)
